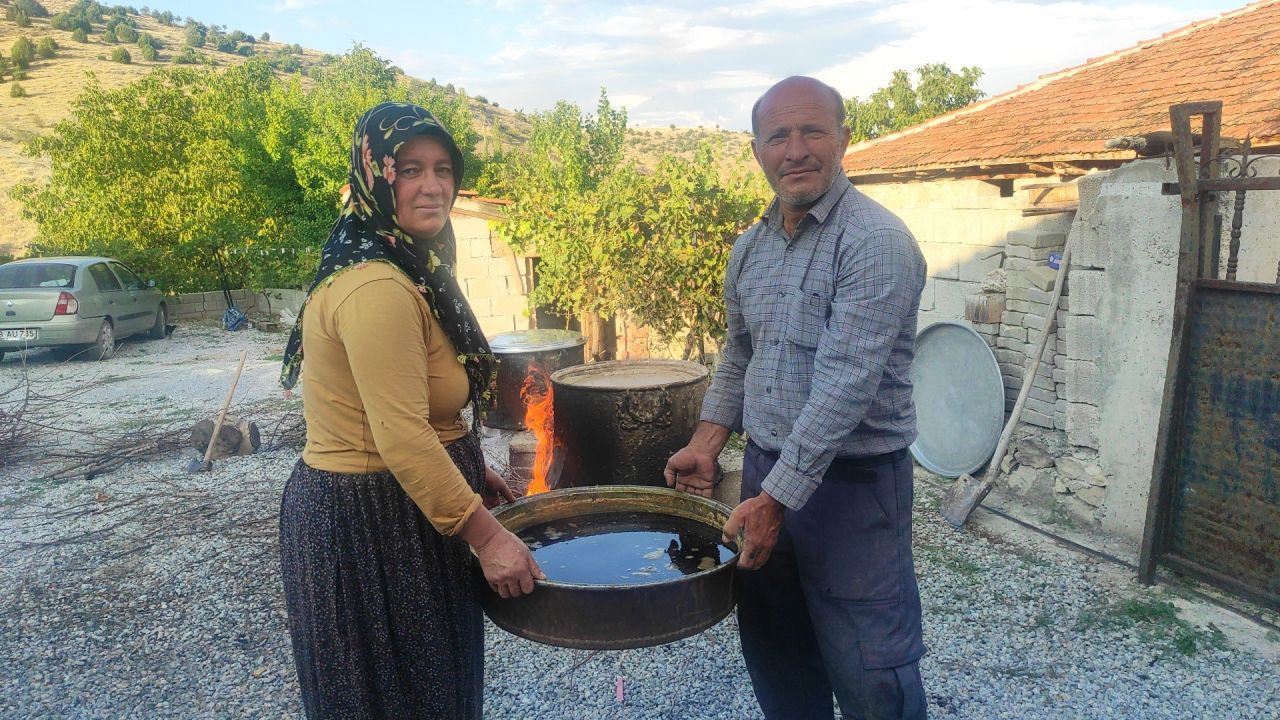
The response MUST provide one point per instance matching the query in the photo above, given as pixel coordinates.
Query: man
(821, 297)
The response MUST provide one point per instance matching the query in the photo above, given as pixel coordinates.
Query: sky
(695, 62)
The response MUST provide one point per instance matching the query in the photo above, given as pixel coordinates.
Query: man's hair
(835, 96)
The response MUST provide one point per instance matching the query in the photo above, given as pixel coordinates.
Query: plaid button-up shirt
(822, 330)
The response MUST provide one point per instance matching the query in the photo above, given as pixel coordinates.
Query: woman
(380, 517)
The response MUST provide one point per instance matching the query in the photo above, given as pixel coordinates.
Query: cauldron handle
(636, 409)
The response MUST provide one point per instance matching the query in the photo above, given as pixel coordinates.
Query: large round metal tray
(959, 399)
(613, 617)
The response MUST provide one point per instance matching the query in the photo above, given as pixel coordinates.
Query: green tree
(121, 55)
(266, 37)
(126, 33)
(559, 207)
(22, 53)
(46, 48)
(692, 215)
(195, 35)
(614, 240)
(163, 172)
(901, 104)
(31, 8)
(80, 35)
(20, 18)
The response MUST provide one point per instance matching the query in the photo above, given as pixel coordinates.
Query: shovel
(967, 492)
(206, 464)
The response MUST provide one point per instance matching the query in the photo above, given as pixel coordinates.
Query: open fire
(536, 394)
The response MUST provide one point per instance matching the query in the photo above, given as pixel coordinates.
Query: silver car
(74, 304)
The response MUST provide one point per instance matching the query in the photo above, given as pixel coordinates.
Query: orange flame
(536, 395)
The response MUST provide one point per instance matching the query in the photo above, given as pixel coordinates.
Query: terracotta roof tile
(1234, 58)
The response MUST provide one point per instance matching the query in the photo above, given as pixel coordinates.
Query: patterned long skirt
(382, 610)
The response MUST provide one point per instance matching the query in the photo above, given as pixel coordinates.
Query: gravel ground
(150, 592)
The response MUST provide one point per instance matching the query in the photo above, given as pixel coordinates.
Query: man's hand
(693, 467)
(495, 490)
(691, 470)
(758, 519)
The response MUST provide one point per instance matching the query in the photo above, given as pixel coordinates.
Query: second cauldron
(616, 423)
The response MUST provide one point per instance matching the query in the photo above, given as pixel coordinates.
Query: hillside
(52, 85)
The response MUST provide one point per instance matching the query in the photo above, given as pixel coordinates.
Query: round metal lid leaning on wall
(959, 399)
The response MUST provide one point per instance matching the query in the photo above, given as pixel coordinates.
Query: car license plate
(18, 334)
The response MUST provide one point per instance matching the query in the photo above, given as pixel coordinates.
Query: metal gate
(1214, 507)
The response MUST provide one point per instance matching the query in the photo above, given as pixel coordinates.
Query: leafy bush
(30, 7)
(195, 36)
(266, 37)
(126, 33)
(17, 91)
(187, 56)
(284, 62)
(121, 55)
(69, 22)
(294, 49)
(80, 36)
(245, 50)
(148, 53)
(18, 17)
(149, 40)
(45, 48)
(22, 52)
(19, 74)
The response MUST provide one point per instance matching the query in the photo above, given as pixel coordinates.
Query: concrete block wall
(961, 226)
(209, 305)
(1026, 307)
(492, 277)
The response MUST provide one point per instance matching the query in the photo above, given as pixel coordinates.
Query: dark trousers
(836, 608)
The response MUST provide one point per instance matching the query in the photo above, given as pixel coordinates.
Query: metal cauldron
(516, 351)
(617, 423)
(613, 617)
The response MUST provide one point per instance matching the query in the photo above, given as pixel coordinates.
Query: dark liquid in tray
(624, 548)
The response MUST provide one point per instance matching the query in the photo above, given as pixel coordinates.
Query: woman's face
(423, 183)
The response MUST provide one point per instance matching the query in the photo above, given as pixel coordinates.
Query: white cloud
(1014, 42)
(705, 62)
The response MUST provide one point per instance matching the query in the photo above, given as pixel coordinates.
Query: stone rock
(995, 281)
(1006, 463)
(1059, 486)
(1092, 495)
(1030, 483)
(1079, 509)
(1078, 472)
(1033, 454)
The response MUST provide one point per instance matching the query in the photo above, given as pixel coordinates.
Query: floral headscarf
(367, 231)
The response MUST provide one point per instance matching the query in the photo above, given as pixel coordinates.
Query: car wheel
(105, 346)
(162, 317)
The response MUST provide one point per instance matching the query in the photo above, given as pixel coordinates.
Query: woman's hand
(508, 566)
(495, 490)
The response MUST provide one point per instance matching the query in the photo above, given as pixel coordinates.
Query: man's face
(799, 142)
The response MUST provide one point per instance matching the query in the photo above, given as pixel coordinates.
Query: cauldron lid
(525, 341)
(959, 399)
(631, 374)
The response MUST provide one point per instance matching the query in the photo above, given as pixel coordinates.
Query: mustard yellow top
(384, 390)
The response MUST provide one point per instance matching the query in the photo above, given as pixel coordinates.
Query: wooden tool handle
(226, 403)
(1027, 380)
